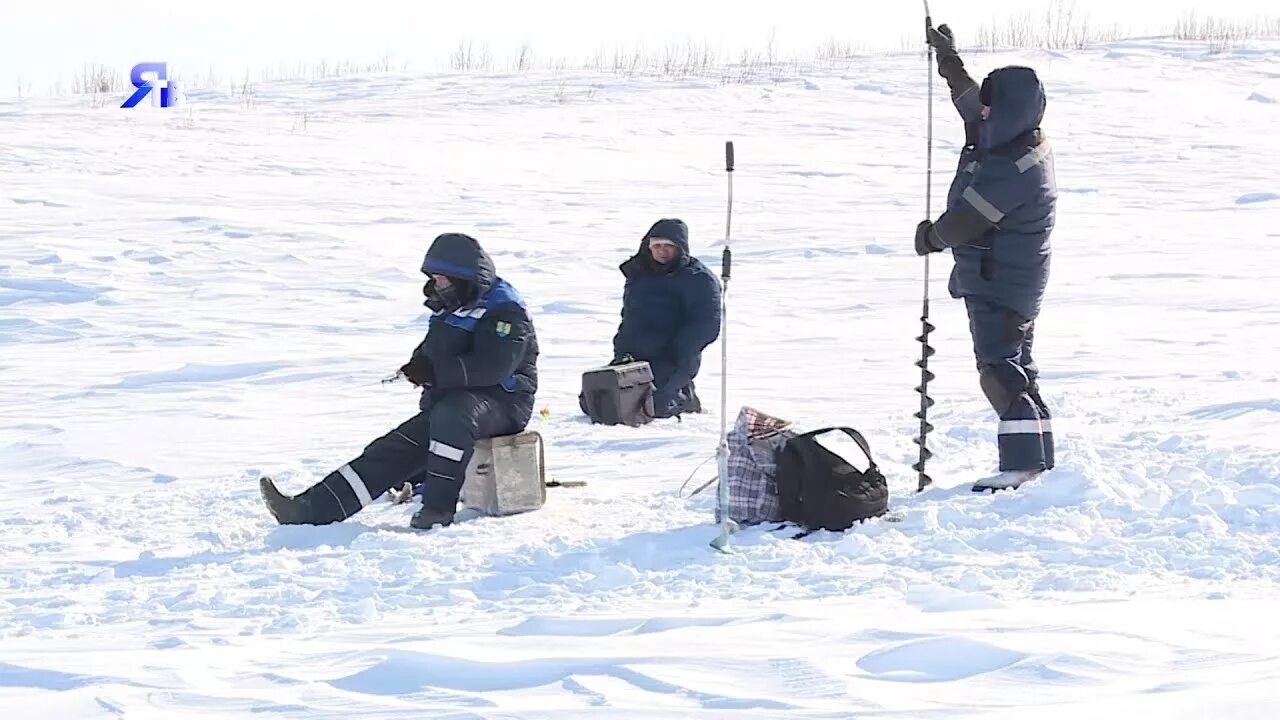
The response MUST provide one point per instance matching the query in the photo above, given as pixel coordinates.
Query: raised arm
(964, 91)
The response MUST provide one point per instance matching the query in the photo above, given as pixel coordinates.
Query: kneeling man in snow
(478, 370)
(670, 313)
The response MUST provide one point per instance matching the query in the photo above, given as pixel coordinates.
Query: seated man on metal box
(478, 370)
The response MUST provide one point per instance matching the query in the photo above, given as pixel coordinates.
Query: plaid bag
(754, 444)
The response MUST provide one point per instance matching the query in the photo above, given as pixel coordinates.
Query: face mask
(445, 299)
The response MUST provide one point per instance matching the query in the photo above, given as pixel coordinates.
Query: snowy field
(192, 297)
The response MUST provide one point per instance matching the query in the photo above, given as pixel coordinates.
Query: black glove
(419, 371)
(622, 359)
(927, 241)
(944, 47)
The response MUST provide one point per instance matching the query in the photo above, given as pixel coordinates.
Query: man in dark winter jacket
(478, 370)
(670, 313)
(1000, 213)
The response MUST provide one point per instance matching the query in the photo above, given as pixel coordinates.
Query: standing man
(670, 313)
(478, 370)
(1000, 213)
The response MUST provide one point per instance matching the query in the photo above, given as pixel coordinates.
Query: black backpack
(819, 490)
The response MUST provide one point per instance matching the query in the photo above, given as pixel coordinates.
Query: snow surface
(192, 297)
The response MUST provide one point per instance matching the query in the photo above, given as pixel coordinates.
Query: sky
(41, 40)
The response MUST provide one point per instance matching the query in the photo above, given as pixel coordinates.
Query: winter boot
(1005, 480)
(695, 404)
(426, 518)
(286, 510)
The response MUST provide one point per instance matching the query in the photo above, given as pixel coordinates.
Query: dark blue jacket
(670, 313)
(487, 343)
(1000, 208)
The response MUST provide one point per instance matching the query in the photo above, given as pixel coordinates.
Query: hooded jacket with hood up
(1000, 208)
(488, 342)
(670, 313)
